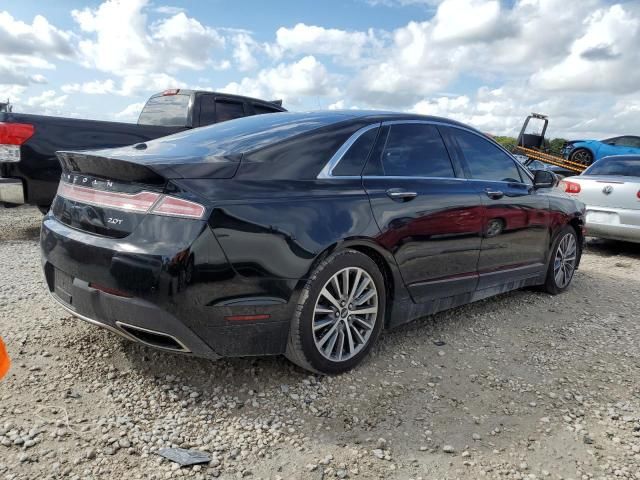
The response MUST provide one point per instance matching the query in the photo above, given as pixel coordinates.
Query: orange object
(5, 363)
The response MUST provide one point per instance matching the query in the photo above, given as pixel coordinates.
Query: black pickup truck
(29, 169)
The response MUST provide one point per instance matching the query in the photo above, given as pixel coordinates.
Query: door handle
(401, 194)
(494, 194)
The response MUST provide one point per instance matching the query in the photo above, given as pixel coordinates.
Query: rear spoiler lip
(277, 103)
(98, 165)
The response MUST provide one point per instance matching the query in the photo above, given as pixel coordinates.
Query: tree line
(553, 146)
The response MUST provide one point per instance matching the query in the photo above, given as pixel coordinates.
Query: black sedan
(302, 234)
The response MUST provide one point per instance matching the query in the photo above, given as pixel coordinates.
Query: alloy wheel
(345, 314)
(565, 260)
(582, 156)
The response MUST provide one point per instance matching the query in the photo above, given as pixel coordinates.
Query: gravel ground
(524, 385)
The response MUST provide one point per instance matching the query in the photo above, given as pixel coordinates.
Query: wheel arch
(384, 260)
(588, 148)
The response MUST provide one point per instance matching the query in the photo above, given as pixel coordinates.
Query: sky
(488, 63)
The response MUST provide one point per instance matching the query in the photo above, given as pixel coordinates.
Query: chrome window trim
(326, 172)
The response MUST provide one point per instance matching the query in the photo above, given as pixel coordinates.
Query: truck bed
(38, 161)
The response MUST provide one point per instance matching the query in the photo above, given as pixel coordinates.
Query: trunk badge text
(82, 180)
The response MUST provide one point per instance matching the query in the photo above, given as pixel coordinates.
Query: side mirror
(544, 179)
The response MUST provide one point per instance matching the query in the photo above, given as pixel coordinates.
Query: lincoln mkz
(303, 234)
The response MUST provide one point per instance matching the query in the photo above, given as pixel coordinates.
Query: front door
(429, 217)
(515, 216)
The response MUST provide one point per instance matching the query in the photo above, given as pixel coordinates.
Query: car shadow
(611, 248)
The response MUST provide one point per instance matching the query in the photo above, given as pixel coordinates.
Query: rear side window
(628, 142)
(627, 167)
(485, 160)
(261, 109)
(166, 111)
(415, 150)
(228, 110)
(354, 159)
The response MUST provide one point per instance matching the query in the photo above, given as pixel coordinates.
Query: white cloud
(95, 87)
(48, 100)
(603, 59)
(24, 47)
(501, 111)
(125, 43)
(314, 40)
(12, 92)
(573, 60)
(39, 38)
(339, 105)
(10, 75)
(135, 84)
(469, 21)
(130, 113)
(306, 77)
(244, 52)
(169, 10)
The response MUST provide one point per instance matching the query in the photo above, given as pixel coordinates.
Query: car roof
(252, 133)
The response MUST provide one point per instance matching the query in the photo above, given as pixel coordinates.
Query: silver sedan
(610, 188)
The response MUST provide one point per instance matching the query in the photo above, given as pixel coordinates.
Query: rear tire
(582, 156)
(565, 252)
(334, 327)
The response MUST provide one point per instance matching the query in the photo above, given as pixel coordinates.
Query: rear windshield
(166, 111)
(625, 167)
(248, 133)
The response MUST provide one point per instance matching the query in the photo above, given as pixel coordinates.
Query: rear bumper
(624, 224)
(176, 294)
(131, 318)
(11, 191)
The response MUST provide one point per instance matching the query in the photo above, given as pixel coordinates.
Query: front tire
(582, 156)
(565, 253)
(340, 314)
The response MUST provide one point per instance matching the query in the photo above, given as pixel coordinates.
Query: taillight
(173, 91)
(12, 135)
(571, 188)
(177, 207)
(141, 202)
(638, 194)
(138, 202)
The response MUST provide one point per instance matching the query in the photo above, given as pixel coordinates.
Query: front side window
(485, 160)
(415, 150)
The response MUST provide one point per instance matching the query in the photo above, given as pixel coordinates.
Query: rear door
(428, 215)
(515, 216)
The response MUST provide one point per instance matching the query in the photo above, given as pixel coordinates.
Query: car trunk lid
(110, 192)
(608, 192)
